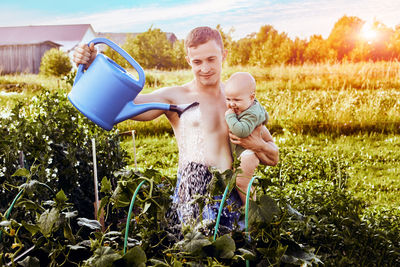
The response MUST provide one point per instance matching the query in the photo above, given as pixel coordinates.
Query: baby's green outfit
(243, 125)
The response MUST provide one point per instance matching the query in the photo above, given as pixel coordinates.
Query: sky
(296, 18)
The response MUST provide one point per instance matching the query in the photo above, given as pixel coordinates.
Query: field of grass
(336, 185)
(373, 159)
(352, 110)
(341, 98)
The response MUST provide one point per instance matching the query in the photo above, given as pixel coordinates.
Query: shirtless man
(201, 133)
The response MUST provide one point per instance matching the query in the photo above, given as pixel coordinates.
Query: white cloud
(124, 18)
(297, 18)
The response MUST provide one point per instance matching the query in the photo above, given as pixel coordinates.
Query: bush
(52, 139)
(328, 217)
(55, 63)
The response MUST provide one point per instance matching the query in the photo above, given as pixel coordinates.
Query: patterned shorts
(193, 180)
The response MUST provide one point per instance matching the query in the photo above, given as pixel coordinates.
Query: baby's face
(237, 98)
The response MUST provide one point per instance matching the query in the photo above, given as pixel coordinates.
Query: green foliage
(305, 209)
(240, 51)
(326, 216)
(269, 47)
(333, 224)
(318, 50)
(343, 36)
(55, 63)
(50, 137)
(152, 49)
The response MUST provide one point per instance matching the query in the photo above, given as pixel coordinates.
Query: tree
(361, 52)
(226, 37)
(318, 50)
(344, 35)
(298, 49)
(394, 44)
(151, 49)
(380, 45)
(240, 51)
(179, 55)
(111, 53)
(270, 47)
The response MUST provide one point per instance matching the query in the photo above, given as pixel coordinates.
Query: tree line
(348, 41)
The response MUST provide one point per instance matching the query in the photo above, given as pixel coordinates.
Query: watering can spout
(131, 110)
(182, 108)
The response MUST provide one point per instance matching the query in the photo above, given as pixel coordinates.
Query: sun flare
(368, 32)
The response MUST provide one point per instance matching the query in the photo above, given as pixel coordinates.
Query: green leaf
(246, 254)
(105, 185)
(225, 247)
(217, 183)
(177, 264)
(153, 174)
(264, 212)
(28, 204)
(32, 228)
(194, 242)
(29, 187)
(68, 233)
(146, 207)
(61, 198)
(104, 201)
(22, 172)
(103, 257)
(295, 254)
(30, 262)
(47, 220)
(135, 257)
(92, 224)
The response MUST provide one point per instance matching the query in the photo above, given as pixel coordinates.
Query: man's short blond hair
(202, 35)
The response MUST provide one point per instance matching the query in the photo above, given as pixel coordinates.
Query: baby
(244, 114)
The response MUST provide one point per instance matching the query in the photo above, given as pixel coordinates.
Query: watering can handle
(120, 51)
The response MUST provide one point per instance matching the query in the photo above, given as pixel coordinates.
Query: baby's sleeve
(243, 127)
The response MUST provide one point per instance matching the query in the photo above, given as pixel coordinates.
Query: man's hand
(229, 111)
(252, 142)
(260, 141)
(84, 54)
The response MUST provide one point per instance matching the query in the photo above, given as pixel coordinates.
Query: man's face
(206, 62)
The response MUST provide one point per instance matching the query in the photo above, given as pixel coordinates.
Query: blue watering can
(104, 93)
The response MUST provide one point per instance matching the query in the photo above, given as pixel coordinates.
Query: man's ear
(188, 60)
(224, 54)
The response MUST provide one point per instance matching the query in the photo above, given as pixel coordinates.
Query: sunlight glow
(368, 32)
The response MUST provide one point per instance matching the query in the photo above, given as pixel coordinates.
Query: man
(201, 133)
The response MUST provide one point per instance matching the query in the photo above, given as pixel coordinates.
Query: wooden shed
(23, 58)
(22, 47)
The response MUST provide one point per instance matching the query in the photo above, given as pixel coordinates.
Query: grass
(158, 151)
(341, 98)
(352, 109)
(14, 88)
(374, 159)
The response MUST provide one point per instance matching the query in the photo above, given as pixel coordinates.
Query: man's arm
(160, 96)
(260, 141)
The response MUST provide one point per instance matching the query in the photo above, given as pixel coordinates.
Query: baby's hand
(229, 111)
